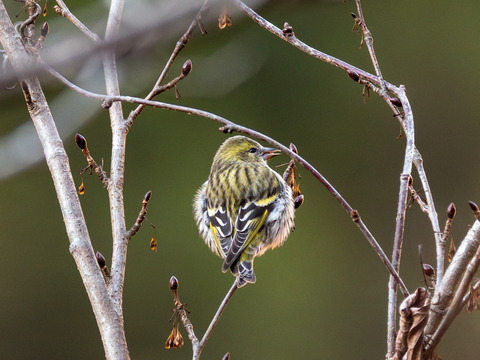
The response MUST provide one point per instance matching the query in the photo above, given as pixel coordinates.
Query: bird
(245, 207)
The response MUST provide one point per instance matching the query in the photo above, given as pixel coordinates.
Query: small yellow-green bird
(245, 207)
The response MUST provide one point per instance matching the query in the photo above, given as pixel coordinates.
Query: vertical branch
(432, 214)
(408, 126)
(404, 178)
(367, 36)
(115, 189)
(109, 322)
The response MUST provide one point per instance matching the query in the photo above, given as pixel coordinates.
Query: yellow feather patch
(217, 240)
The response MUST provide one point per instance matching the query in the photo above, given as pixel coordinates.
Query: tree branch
(119, 132)
(448, 298)
(110, 322)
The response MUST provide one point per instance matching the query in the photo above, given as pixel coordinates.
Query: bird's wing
(250, 220)
(221, 227)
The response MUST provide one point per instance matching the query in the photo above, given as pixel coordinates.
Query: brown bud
(44, 29)
(428, 269)
(355, 215)
(451, 211)
(80, 141)
(293, 148)
(226, 356)
(354, 15)
(410, 180)
(396, 101)
(287, 30)
(226, 129)
(100, 260)
(353, 75)
(298, 201)
(187, 67)
(148, 195)
(173, 283)
(473, 206)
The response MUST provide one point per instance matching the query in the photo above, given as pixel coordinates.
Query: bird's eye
(252, 150)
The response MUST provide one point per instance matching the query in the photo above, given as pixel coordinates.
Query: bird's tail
(244, 271)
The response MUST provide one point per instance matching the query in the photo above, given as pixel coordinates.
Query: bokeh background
(323, 294)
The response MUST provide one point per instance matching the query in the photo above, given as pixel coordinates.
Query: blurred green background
(323, 294)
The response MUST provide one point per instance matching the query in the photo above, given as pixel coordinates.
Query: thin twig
(82, 144)
(181, 43)
(418, 199)
(368, 38)
(197, 351)
(432, 215)
(141, 216)
(64, 11)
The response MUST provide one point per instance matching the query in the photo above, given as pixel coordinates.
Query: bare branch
(367, 37)
(82, 144)
(115, 189)
(197, 351)
(444, 320)
(181, 43)
(454, 286)
(62, 10)
(141, 215)
(109, 321)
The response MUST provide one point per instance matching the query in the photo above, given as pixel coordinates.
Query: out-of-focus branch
(62, 10)
(181, 43)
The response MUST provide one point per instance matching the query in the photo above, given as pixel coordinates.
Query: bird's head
(241, 148)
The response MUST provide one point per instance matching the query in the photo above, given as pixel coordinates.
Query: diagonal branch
(229, 126)
(62, 10)
(181, 43)
(449, 299)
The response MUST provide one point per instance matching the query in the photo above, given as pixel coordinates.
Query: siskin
(245, 207)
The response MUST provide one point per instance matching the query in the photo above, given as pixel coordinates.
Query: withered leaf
(224, 19)
(452, 250)
(413, 318)
(472, 303)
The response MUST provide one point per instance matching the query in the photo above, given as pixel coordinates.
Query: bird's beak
(268, 153)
